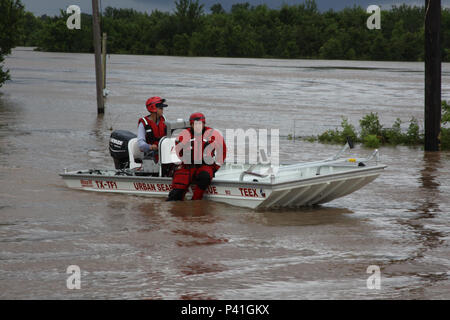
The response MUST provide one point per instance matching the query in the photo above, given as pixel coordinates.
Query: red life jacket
(208, 137)
(153, 132)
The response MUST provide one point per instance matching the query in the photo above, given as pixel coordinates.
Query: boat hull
(255, 195)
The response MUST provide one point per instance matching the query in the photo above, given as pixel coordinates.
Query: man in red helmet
(152, 128)
(202, 151)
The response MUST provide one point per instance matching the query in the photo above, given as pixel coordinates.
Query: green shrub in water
(373, 134)
(371, 141)
(445, 112)
(336, 136)
(330, 136)
(393, 135)
(348, 130)
(370, 125)
(413, 135)
(445, 132)
(310, 139)
(445, 138)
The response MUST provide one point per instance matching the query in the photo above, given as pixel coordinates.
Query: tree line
(293, 31)
(11, 19)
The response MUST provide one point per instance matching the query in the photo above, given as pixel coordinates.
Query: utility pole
(104, 38)
(432, 74)
(98, 63)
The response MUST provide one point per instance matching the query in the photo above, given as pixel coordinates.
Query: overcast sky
(51, 7)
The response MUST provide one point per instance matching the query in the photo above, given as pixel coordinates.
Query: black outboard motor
(118, 147)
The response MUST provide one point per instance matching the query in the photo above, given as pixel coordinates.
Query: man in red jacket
(202, 151)
(152, 127)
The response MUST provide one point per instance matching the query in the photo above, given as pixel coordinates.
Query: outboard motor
(118, 147)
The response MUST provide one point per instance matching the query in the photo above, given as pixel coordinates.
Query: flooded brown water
(139, 248)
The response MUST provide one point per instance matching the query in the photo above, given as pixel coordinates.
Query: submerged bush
(370, 125)
(371, 141)
(393, 135)
(413, 135)
(445, 112)
(336, 136)
(330, 136)
(445, 132)
(348, 131)
(445, 138)
(373, 134)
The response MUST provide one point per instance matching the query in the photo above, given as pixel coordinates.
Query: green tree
(217, 9)
(181, 44)
(56, 37)
(406, 45)
(30, 28)
(293, 31)
(11, 17)
(379, 49)
(237, 7)
(287, 45)
(188, 13)
(332, 49)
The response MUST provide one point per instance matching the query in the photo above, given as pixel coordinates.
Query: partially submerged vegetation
(373, 134)
(445, 132)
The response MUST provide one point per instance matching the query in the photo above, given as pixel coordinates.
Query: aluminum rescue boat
(260, 186)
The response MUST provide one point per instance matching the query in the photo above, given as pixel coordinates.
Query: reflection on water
(9, 115)
(432, 162)
(196, 296)
(429, 206)
(196, 211)
(201, 267)
(317, 215)
(135, 247)
(426, 233)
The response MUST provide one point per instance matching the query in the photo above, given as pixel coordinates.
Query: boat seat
(167, 153)
(135, 154)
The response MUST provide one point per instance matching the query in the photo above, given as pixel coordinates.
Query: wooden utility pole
(98, 63)
(104, 38)
(432, 74)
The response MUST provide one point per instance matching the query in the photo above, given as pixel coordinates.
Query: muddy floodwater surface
(130, 247)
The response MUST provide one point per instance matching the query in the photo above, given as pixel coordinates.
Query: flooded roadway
(142, 248)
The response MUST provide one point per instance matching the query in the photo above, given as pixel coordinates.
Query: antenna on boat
(350, 142)
(348, 145)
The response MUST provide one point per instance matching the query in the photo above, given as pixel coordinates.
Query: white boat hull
(299, 186)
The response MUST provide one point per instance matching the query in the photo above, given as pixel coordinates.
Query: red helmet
(155, 102)
(197, 116)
